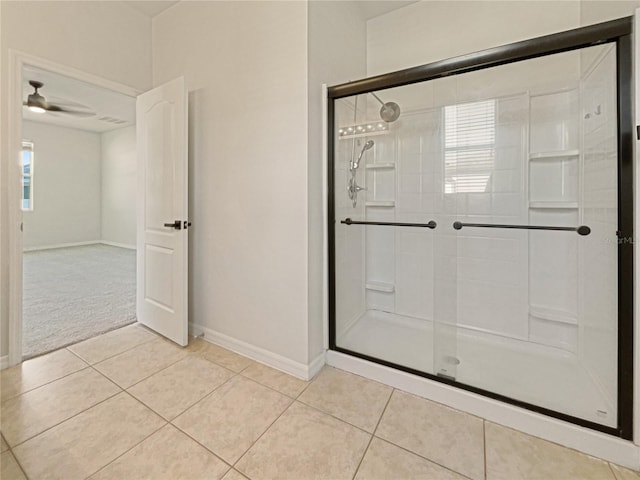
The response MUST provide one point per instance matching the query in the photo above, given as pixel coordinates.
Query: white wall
(245, 65)
(118, 177)
(108, 39)
(332, 27)
(66, 186)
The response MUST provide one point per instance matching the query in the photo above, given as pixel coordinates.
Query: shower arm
(377, 98)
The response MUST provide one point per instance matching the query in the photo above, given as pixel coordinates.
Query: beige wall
(245, 65)
(119, 182)
(427, 31)
(108, 39)
(66, 186)
(333, 27)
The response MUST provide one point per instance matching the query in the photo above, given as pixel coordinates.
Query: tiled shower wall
(490, 266)
(528, 285)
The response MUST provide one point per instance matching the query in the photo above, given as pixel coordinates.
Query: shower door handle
(581, 230)
(176, 225)
(431, 224)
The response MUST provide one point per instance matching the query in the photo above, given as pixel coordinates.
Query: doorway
(73, 266)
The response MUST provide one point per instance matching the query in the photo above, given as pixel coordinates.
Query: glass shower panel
(512, 289)
(537, 298)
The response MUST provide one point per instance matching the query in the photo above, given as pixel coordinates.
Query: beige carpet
(71, 294)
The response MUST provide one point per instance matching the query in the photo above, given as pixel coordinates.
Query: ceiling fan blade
(63, 102)
(77, 113)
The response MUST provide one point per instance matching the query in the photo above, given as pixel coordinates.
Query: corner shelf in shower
(380, 287)
(554, 205)
(552, 314)
(378, 166)
(380, 203)
(553, 155)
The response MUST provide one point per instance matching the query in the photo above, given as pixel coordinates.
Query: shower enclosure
(482, 237)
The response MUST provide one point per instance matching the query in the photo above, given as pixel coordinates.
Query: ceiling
(151, 8)
(375, 8)
(369, 8)
(113, 110)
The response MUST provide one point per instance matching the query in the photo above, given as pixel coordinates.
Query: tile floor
(130, 405)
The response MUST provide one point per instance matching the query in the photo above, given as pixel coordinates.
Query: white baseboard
(4, 362)
(119, 245)
(284, 364)
(60, 245)
(593, 443)
(316, 365)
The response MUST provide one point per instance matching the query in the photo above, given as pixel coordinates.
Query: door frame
(17, 60)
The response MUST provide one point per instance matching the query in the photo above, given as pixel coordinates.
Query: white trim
(284, 364)
(588, 441)
(61, 245)
(116, 244)
(4, 362)
(14, 145)
(17, 60)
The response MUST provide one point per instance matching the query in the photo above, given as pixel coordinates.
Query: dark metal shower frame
(618, 32)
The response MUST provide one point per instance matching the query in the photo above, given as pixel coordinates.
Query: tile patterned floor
(130, 405)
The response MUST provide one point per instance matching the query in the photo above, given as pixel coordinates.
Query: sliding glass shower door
(476, 234)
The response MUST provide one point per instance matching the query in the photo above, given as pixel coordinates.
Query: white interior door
(162, 240)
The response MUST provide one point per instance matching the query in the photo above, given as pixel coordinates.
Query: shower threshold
(529, 372)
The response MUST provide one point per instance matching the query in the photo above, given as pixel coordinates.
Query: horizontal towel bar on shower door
(582, 230)
(431, 224)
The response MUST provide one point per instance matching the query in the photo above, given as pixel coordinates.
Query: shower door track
(616, 31)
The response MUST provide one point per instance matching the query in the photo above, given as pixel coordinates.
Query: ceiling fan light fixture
(36, 109)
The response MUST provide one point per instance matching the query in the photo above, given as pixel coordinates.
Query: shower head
(390, 111)
(365, 147)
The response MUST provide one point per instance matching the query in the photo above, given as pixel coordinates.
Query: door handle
(177, 225)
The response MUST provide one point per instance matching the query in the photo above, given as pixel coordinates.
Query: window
(469, 140)
(27, 175)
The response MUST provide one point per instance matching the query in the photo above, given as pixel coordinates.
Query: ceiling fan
(39, 104)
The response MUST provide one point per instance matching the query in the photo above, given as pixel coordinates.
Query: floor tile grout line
(187, 408)
(423, 457)
(201, 400)
(68, 347)
(484, 446)
(268, 387)
(334, 417)
(155, 373)
(364, 454)
(44, 384)
(145, 378)
(138, 443)
(10, 450)
(69, 418)
(88, 364)
(293, 401)
(273, 388)
(406, 449)
(203, 446)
